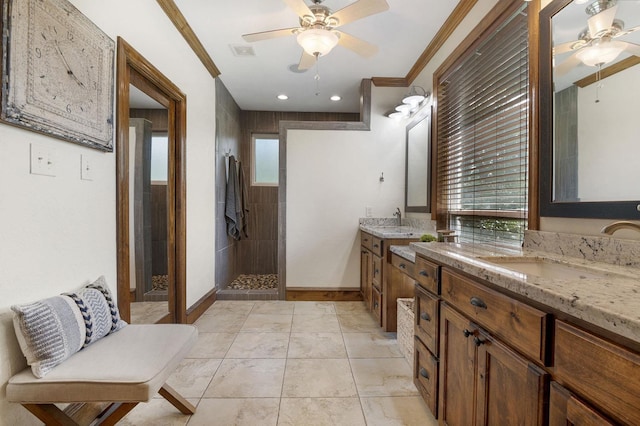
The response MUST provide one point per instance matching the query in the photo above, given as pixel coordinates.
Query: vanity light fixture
(412, 102)
(283, 97)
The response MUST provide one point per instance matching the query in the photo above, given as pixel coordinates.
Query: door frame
(132, 67)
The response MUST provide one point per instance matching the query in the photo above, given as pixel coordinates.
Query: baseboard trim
(197, 309)
(323, 294)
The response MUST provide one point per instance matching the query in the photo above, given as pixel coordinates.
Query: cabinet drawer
(518, 324)
(427, 274)
(603, 373)
(427, 318)
(425, 375)
(366, 240)
(403, 264)
(376, 273)
(376, 304)
(376, 246)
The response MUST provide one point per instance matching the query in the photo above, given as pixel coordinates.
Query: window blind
(482, 138)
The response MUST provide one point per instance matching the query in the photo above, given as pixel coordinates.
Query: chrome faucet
(399, 215)
(621, 224)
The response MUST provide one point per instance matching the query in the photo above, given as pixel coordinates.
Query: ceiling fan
(597, 44)
(317, 32)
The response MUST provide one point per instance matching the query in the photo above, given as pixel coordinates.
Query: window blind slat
(482, 138)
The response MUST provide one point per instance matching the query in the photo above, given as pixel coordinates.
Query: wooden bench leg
(114, 413)
(50, 414)
(176, 399)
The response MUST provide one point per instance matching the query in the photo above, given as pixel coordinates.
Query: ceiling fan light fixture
(317, 41)
(601, 53)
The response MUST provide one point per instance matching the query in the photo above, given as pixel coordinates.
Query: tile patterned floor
(291, 363)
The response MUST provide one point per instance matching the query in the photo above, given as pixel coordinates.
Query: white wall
(332, 176)
(57, 233)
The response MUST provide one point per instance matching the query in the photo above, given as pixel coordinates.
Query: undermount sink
(546, 268)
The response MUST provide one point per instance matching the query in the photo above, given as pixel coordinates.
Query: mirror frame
(426, 208)
(549, 208)
(131, 66)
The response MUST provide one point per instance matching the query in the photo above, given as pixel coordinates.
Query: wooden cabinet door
(567, 410)
(457, 369)
(365, 279)
(510, 389)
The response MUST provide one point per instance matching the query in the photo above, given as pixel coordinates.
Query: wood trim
(324, 294)
(131, 63)
(609, 71)
(390, 81)
(173, 13)
(533, 11)
(200, 307)
(459, 13)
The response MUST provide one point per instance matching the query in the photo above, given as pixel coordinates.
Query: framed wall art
(57, 72)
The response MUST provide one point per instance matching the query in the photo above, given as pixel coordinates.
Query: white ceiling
(402, 33)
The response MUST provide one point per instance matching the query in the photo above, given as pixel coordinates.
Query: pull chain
(317, 76)
(599, 83)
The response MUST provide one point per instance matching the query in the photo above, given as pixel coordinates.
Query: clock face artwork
(60, 73)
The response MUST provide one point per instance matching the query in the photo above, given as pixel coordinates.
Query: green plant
(427, 238)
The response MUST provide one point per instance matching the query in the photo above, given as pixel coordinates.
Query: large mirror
(417, 163)
(589, 65)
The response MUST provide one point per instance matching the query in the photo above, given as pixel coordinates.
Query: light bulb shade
(600, 54)
(413, 100)
(404, 108)
(317, 41)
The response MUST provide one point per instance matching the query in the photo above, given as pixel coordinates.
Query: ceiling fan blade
(306, 61)
(632, 48)
(626, 31)
(265, 35)
(299, 7)
(359, 9)
(563, 48)
(602, 21)
(357, 45)
(566, 66)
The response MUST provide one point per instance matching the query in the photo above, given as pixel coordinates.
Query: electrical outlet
(86, 167)
(368, 211)
(42, 160)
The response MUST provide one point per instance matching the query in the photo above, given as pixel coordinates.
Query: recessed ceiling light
(335, 98)
(283, 97)
(581, 1)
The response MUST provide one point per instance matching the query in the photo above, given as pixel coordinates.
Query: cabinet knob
(477, 302)
(376, 246)
(466, 333)
(423, 273)
(375, 304)
(478, 341)
(425, 316)
(376, 271)
(424, 373)
(403, 266)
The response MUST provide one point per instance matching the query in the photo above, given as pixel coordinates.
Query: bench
(108, 378)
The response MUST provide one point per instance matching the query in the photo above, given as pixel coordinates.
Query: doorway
(151, 192)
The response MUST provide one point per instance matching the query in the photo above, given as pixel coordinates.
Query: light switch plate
(42, 160)
(86, 167)
(368, 211)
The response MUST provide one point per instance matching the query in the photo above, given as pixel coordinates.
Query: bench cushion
(127, 366)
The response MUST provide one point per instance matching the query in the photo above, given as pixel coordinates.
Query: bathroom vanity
(545, 334)
(377, 267)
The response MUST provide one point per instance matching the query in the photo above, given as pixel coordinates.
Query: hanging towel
(244, 200)
(233, 207)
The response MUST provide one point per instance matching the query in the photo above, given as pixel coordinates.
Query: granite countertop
(406, 252)
(611, 300)
(393, 231)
